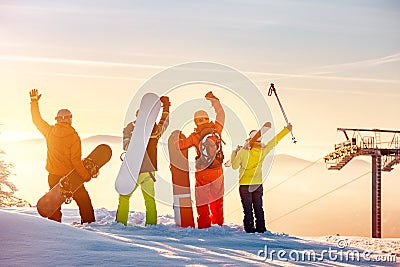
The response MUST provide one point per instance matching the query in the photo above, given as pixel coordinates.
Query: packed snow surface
(29, 240)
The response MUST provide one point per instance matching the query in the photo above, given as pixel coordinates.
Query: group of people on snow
(64, 154)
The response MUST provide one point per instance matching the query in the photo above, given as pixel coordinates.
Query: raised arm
(164, 120)
(127, 134)
(37, 119)
(219, 111)
(274, 141)
(76, 158)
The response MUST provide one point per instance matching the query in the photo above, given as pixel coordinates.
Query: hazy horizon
(291, 183)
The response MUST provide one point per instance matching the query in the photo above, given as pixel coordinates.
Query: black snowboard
(67, 186)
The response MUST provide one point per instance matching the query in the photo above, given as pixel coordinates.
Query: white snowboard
(150, 106)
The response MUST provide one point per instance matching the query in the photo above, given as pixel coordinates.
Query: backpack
(210, 149)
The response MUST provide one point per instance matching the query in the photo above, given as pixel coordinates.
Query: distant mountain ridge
(279, 159)
(101, 138)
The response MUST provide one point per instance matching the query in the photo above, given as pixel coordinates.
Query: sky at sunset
(334, 63)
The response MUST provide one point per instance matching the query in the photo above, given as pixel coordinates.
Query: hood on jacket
(62, 129)
(258, 145)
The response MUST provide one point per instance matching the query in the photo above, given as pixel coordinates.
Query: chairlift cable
(318, 198)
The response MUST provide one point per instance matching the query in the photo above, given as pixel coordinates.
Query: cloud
(384, 60)
(326, 72)
(362, 63)
(316, 75)
(78, 61)
(77, 75)
(344, 91)
(323, 76)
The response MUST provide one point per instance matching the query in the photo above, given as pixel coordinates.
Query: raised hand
(35, 96)
(267, 124)
(211, 96)
(165, 101)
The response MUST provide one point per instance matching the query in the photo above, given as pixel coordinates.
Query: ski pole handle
(273, 90)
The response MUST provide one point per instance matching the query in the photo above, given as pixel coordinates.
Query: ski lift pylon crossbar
(369, 130)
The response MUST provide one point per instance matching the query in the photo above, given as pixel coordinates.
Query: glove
(87, 178)
(34, 94)
(267, 124)
(165, 101)
(211, 96)
(238, 148)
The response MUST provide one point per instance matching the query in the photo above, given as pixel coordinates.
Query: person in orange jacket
(64, 154)
(209, 173)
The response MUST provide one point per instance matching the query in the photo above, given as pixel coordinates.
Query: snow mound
(29, 240)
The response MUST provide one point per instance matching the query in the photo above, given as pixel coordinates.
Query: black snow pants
(252, 198)
(82, 199)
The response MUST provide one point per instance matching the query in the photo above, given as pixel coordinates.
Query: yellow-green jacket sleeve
(274, 141)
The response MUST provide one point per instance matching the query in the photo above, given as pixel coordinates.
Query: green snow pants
(146, 183)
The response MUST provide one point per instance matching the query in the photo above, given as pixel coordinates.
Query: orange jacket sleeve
(187, 142)
(220, 115)
(76, 158)
(37, 119)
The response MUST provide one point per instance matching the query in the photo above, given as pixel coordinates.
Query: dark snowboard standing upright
(179, 166)
(67, 186)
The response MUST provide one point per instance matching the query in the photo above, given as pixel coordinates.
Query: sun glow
(14, 136)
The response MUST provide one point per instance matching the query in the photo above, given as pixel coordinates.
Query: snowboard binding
(91, 167)
(66, 187)
(65, 183)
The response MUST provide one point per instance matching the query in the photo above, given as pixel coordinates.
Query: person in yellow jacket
(249, 162)
(64, 154)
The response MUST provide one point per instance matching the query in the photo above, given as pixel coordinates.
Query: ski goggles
(200, 121)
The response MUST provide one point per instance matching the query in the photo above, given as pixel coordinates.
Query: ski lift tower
(384, 155)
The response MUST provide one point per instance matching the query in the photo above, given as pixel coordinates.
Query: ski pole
(272, 90)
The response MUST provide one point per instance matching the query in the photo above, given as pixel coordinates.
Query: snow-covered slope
(29, 240)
